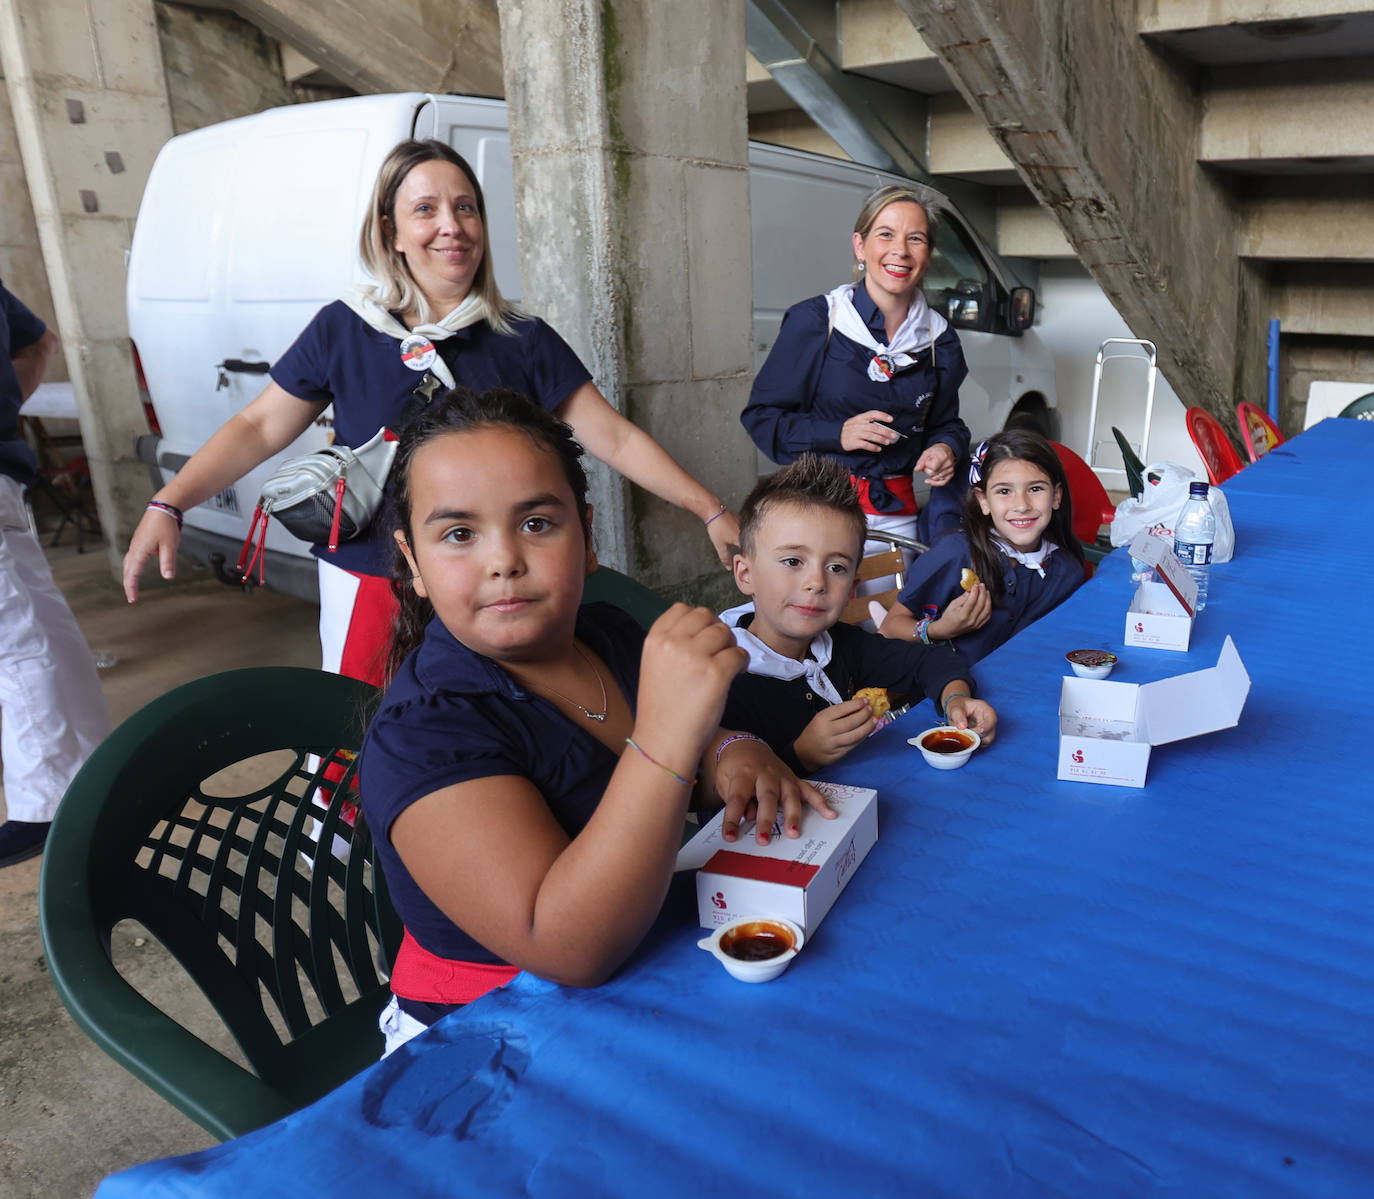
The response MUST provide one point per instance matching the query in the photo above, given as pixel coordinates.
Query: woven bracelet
(170, 509)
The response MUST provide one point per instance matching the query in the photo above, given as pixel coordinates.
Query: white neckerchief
(1034, 559)
(920, 329)
(469, 312)
(773, 665)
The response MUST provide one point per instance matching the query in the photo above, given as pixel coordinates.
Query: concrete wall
(217, 66)
(1307, 360)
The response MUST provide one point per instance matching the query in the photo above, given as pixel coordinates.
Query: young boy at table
(801, 537)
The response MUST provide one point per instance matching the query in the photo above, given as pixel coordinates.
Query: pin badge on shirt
(885, 366)
(418, 352)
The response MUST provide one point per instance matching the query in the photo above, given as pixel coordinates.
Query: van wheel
(1032, 411)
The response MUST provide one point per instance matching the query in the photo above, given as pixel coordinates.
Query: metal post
(1273, 346)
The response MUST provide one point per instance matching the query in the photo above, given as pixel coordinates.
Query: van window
(306, 178)
(952, 261)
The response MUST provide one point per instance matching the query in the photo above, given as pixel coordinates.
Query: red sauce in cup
(946, 743)
(757, 941)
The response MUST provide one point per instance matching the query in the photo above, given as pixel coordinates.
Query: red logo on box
(718, 900)
(1077, 755)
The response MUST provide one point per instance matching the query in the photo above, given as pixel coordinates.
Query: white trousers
(338, 590)
(52, 711)
(397, 1027)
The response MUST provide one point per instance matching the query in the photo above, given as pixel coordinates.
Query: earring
(862, 266)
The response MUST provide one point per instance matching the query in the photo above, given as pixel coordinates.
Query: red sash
(902, 488)
(419, 974)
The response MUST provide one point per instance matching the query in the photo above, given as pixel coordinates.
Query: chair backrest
(1260, 433)
(194, 818)
(1135, 468)
(875, 566)
(1360, 409)
(1092, 506)
(608, 586)
(1219, 456)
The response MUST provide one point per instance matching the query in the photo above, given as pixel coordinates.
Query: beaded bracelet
(722, 512)
(922, 632)
(630, 741)
(944, 706)
(171, 509)
(730, 740)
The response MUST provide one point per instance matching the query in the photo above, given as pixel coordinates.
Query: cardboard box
(796, 878)
(1106, 729)
(1161, 612)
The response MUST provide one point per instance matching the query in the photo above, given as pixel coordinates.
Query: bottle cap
(1197, 488)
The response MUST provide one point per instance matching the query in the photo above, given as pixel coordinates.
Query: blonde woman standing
(435, 311)
(869, 375)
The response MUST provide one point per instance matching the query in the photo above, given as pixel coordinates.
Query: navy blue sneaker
(21, 840)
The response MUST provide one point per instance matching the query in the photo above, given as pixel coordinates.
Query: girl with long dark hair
(1017, 539)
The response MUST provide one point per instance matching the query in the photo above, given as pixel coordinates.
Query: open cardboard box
(795, 878)
(1107, 729)
(1161, 613)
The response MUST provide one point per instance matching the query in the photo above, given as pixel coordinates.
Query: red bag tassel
(339, 488)
(258, 557)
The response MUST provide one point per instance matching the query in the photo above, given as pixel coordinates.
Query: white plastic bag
(1166, 491)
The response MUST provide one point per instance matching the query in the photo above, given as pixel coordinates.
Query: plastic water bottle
(1194, 532)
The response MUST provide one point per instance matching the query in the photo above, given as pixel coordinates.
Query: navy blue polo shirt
(341, 359)
(19, 329)
(815, 379)
(934, 581)
(452, 716)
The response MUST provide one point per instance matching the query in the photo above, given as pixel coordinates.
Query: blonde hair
(396, 289)
(893, 193)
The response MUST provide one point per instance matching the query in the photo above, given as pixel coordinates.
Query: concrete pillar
(628, 133)
(90, 109)
(1105, 134)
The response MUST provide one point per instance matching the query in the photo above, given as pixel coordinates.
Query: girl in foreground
(1017, 536)
(529, 770)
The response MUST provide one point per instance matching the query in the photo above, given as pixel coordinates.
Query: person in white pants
(52, 711)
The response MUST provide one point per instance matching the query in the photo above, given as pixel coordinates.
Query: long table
(1029, 987)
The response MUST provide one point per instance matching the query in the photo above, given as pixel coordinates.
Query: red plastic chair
(1092, 506)
(1219, 456)
(1260, 433)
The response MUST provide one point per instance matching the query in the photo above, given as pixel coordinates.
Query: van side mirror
(1021, 308)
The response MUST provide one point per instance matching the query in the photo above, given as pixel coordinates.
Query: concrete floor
(68, 1114)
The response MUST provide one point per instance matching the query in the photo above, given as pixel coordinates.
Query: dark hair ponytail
(989, 563)
(463, 411)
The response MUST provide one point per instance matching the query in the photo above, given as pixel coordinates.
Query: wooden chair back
(875, 566)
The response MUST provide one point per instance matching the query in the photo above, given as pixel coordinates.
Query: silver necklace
(605, 707)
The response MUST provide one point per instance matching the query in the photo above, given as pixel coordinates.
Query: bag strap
(339, 488)
(258, 556)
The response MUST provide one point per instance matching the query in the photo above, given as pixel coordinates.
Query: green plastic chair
(217, 869)
(608, 586)
(1360, 409)
(1135, 468)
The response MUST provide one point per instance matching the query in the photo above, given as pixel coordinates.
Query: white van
(248, 227)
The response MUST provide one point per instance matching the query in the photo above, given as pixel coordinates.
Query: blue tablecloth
(1030, 987)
